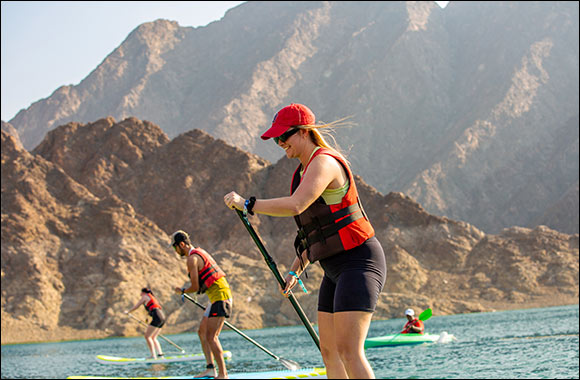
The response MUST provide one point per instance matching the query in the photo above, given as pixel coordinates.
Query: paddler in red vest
(414, 325)
(334, 230)
(206, 277)
(153, 307)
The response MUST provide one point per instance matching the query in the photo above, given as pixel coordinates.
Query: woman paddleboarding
(153, 307)
(333, 230)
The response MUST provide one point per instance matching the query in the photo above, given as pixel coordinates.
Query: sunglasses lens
(286, 135)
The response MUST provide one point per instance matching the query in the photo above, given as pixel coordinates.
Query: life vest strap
(303, 241)
(319, 222)
(322, 235)
(207, 273)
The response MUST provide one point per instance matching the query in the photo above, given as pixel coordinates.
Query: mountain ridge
(450, 104)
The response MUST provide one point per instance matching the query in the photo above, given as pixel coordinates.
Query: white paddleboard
(305, 373)
(105, 359)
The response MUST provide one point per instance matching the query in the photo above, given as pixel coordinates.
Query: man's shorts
(219, 309)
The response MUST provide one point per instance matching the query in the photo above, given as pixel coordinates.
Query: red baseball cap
(294, 114)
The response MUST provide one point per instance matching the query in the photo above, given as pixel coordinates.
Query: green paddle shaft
(274, 269)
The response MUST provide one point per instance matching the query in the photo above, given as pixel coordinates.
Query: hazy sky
(48, 44)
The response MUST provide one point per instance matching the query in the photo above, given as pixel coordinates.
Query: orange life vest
(325, 230)
(210, 271)
(152, 304)
(415, 322)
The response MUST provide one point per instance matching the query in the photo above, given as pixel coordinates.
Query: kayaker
(153, 307)
(414, 324)
(206, 277)
(334, 230)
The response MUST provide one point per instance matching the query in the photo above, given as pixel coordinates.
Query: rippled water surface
(533, 343)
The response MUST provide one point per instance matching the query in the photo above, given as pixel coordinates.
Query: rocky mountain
(472, 110)
(86, 219)
(10, 130)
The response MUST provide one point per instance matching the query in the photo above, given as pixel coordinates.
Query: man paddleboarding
(206, 277)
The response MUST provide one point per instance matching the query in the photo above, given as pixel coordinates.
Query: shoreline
(77, 335)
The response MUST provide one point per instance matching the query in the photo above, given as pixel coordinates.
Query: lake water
(518, 344)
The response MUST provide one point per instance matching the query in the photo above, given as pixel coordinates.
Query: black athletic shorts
(353, 279)
(219, 309)
(158, 318)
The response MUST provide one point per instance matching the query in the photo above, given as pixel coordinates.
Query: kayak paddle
(290, 364)
(425, 315)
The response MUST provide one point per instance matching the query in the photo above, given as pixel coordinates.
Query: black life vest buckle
(301, 241)
(300, 245)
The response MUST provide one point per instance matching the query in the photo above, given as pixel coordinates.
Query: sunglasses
(286, 135)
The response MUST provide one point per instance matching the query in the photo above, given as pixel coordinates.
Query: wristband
(299, 281)
(246, 203)
(249, 205)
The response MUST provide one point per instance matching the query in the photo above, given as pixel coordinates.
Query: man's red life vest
(325, 230)
(152, 304)
(415, 322)
(210, 271)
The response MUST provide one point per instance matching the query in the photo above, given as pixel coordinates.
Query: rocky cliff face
(86, 219)
(471, 110)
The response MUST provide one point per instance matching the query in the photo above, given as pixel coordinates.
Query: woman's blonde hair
(320, 134)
